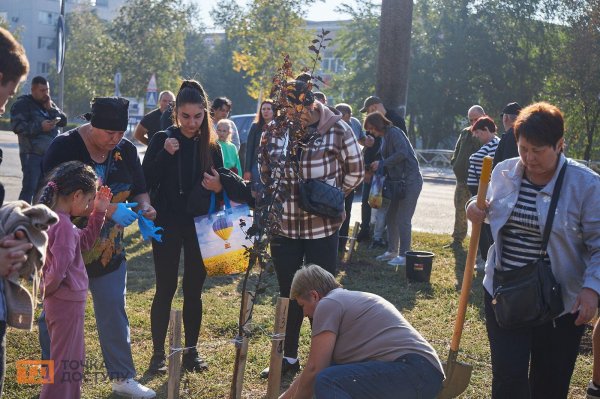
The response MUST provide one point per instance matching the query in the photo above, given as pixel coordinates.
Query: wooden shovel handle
(484, 180)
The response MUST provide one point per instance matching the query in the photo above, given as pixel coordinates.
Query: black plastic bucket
(418, 265)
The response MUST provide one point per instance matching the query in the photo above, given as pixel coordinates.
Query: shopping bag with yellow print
(222, 238)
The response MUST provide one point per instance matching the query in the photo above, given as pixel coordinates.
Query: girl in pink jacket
(71, 190)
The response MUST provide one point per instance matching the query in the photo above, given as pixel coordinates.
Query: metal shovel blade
(458, 375)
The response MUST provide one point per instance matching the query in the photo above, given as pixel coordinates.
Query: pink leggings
(65, 325)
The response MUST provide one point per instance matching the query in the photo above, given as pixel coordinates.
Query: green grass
(431, 308)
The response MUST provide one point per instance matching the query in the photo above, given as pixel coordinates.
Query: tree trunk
(394, 53)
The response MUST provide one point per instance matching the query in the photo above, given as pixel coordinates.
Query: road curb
(437, 179)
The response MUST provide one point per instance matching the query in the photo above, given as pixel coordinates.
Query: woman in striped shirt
(484, 129)
(537, 362)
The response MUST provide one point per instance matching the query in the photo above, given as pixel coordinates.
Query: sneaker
(593, 391)
(378, 244)
(363, 235)
(286, 367)
(398, 261)
(130, 388)
(158, 363)
(192, 361)
(386, 256)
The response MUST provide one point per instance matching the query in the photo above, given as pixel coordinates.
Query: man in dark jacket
(35, 119)
(374, 103)
(507, 148)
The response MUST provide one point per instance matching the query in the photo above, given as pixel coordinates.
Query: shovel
(458, 374)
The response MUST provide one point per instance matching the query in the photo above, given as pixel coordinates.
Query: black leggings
(346, 225)
(166, 265)
(288, 256)
(365, 208)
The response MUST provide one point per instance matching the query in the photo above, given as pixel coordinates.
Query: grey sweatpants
(399, 218)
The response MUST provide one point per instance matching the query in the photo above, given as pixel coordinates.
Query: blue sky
(320, 11)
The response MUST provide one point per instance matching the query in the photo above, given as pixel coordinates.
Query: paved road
(435, 209)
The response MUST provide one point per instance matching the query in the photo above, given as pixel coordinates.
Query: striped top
(476, 160)
(521, 236)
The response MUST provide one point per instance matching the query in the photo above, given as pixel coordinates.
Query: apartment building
(35, 21)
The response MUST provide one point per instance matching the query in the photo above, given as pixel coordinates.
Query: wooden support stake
(281, 312)
(241, 353)
(175, 358)
(352, 241)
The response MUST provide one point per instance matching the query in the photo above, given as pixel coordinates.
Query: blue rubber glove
(147, 228)
(123, 215)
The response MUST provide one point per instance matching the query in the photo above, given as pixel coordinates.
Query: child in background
(231, 159)
(70, 191)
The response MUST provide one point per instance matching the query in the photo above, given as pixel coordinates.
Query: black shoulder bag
(319, 198)
(530, 296)
(395, 190)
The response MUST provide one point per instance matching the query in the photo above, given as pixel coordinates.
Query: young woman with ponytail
(180, 169)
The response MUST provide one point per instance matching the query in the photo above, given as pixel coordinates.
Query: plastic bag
(376, 193)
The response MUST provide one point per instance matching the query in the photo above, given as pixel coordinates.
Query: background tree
(575, 85)
(211, 63)
(515, 51)
(394, 53)
(439, 90)
(90, 59)
(152, 33)
(356, 46)
(262, 32)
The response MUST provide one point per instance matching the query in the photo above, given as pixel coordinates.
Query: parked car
(243, 123)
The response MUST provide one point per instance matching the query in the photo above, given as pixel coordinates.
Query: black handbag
(394, 189)
(319, 198)
(530, 296)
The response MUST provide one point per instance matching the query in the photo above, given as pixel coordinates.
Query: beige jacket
(33, 221)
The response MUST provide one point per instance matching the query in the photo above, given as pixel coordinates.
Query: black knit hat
(109, 113)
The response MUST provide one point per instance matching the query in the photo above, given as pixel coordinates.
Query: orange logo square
(35, 371)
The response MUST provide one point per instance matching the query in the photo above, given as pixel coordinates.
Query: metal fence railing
(439, 160)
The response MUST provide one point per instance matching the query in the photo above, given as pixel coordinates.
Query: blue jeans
(410, 376)
(44, 336)
(31, 165)
(108, 294)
